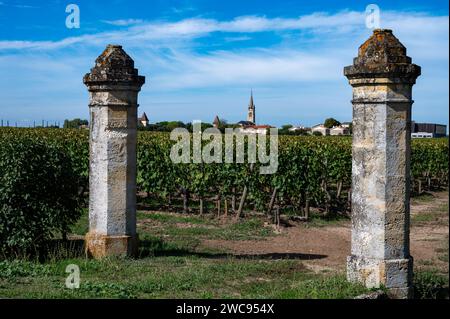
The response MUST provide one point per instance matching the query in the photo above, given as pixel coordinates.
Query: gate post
(382, 77)
(113, 85)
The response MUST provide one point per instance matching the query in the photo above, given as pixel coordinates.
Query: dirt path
(326, 248)
(430, 237)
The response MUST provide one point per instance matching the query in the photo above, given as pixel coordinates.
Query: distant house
(245, 123)
(425, 130)
(339, 130)
(321, 129)
(346, 124)
(297, 128)
(254, 129)
(422, 135)
(143, 120)
(335, 130)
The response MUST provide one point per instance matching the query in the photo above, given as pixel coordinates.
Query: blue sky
(201, 58)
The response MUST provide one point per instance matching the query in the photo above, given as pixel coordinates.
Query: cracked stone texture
(382, 77)
(114, 65)
(113, 85)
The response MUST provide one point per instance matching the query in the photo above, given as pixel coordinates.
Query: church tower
(251, 110)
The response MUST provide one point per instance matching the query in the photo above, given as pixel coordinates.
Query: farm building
(427, 130)
(321, 129)
(339, 130)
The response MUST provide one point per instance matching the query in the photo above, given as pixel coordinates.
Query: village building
(296, 128)
(428, 130)
(255, 129)
(249, 126)
(143, 120)
(321, 129)
(343, 129)
(339, 130)
(300, 128)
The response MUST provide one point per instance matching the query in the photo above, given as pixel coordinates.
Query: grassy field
(173, 263)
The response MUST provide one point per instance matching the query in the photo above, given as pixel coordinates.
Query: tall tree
(75, 123)
(330, 122)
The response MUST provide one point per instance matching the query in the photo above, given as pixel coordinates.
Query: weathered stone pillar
(113, 86)
(382, 77)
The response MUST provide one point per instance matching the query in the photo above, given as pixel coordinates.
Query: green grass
(316, 220)
(443, 251)
(423, 198)
(180, 226)
(195, 227)
(425, 217)
(430, 284)
(173, 277)
(175, 218)
(435, 215)
(171, 264)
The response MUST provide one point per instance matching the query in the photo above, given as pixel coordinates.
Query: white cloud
(237, 39)
(182, 10)
(309, 55)
(20, 6)
(124, 22)
(418, 29)
(196, 27)
(24, 6)
(257, 67)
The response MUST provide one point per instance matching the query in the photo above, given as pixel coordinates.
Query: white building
(321, 129)
(339, 130)
(254, 129)
(298, 128)
(346, 124)
(422, 135)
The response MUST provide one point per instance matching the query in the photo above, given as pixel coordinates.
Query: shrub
(38, 193)
(430, 285)
(10, 269)
(109, 290)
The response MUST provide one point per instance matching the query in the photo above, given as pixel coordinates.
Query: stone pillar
(382, 77)
(113, 86)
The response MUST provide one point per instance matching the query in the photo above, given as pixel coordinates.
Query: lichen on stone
(114, 66)
(382, 55)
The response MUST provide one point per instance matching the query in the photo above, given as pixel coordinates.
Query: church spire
(251, 109)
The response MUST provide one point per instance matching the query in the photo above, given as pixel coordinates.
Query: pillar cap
(114, 66)
(382, 55)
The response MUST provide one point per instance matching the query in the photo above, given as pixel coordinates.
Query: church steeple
(251, 109)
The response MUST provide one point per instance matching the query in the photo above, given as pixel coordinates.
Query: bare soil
(326, 248)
